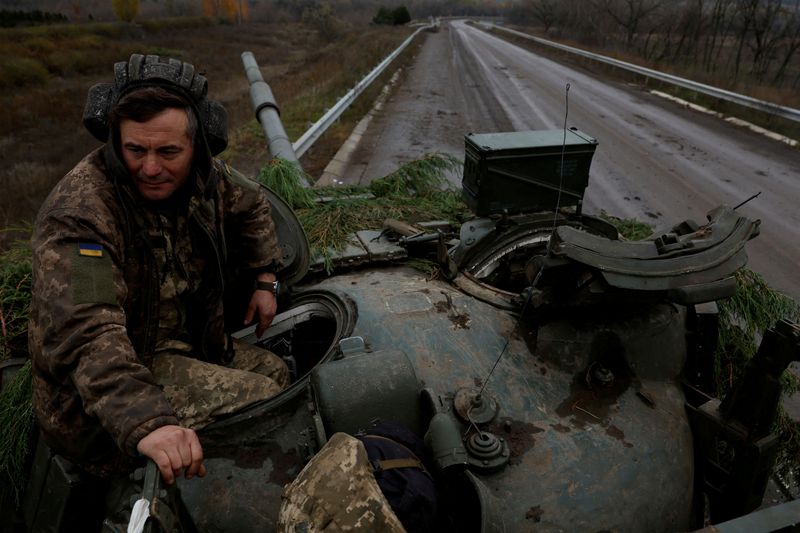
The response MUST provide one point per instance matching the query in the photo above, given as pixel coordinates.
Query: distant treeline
(10, 19)
(736, 40)
(394, 17)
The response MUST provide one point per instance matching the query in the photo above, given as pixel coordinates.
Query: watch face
(271, 286)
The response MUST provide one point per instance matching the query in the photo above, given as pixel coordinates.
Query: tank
(553, 374)
(554, 371)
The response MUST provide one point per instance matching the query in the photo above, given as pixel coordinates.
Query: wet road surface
(656, 161)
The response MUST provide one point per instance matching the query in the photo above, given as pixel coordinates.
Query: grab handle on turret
(735, 443)
(753, 401)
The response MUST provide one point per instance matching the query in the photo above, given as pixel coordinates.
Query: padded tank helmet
(149, 71)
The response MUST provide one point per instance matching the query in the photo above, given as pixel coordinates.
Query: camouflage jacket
(95, 302)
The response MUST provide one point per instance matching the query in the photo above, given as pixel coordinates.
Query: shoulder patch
(92, 275)
(90, 250)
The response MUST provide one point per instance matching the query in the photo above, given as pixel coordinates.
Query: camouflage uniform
(199, 391)
(337, 491)
(102, 270)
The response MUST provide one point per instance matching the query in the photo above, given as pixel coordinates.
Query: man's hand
(262, 306)
(174, 448)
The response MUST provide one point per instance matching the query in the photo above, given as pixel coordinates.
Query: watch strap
(271, 286)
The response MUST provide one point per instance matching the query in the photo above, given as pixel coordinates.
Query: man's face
(158, 153)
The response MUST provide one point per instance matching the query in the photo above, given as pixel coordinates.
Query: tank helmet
(171, 74)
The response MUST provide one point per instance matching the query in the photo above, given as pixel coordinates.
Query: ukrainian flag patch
(90, 250)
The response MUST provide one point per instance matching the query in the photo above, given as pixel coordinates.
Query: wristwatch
(271, 286)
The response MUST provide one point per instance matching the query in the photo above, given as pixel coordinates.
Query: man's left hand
(263, 306)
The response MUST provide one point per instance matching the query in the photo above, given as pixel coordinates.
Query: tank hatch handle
(352, 345)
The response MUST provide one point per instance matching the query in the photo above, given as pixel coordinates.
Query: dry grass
(41, 136)
(307, 82)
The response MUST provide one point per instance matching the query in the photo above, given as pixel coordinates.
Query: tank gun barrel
(268, 113)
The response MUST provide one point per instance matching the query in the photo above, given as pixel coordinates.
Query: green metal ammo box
(521, 171)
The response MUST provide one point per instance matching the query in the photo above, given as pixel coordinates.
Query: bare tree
(719, 26)
(689, 22)
(766, 34)
(727, 40)
(791, 42)
(546, 12)
(628, 14)
(742, 23)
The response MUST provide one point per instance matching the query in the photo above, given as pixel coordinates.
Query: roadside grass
(629, 228)
(332, 72)
(24, 179)
(743, 319)
(15, 287)
(308, 93)
(317, 158)
(16, 418)
(16, 413)
(20, 71)
(32, 55)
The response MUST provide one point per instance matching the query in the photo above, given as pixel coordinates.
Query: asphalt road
(656, 160)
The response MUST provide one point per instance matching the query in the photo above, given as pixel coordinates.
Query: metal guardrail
(788, 113)
(318, 128)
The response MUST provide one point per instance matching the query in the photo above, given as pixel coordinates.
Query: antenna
(560, 172)
(477, 400)
(756, 195)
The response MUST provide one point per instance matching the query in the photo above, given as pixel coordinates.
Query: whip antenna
(560, 170)
(549, 242)
(756, 195)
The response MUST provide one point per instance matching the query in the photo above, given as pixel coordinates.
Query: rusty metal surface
(580, 449)
(248, 464)
(575, 453)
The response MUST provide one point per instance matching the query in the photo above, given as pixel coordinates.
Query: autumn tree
(125, 10)
(235, 11)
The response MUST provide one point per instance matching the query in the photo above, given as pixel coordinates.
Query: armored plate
(296, 253)
(573, 452)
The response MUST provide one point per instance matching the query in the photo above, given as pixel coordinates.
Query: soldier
(336, 491)
(132, 250)
(374, 481)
